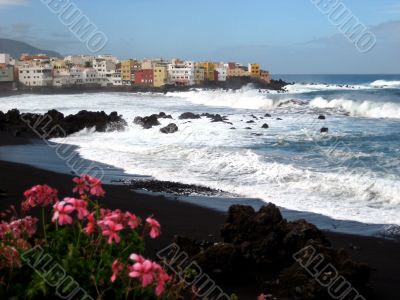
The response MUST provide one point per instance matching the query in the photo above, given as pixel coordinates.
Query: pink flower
(110, 229)
(87, 183)
(143, 271)
(42, 195)
(61, 213)
(162, 279)
(79, 205)
(261, 297)
(155, 227)
(131, 220)
(148, 272)
(22, 227)
(91, 225)
(95, 186)
(137, 258)
(81, 185)
(116, 268)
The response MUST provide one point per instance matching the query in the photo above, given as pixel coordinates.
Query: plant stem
(44, 225)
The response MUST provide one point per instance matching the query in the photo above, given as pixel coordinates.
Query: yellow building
(160, 76)
(198, 75)
(128, 68)
(254, 70)
(58, 64)
(237, 71)
(209, 70)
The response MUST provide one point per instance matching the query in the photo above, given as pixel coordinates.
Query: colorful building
(198, 75)
(160, 76)
(237, 71)
(128, 69)
(265, 76)
(209, 68)
(254, 70)
(144, 77)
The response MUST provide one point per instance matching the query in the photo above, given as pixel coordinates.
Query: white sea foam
(300, 88)
(367, 109)
(385, 83)
(346, 195)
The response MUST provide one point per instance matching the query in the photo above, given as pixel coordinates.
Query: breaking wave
(368, 109)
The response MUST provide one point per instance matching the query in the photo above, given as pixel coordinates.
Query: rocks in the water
(248, 128)
(267, 116)
(147, 122)
(233, 128)
(257, 134)
(170, 128)
(262, 245)
(189, 115)
(254, 117)
(279, 119)
(54, 124)
(321, 117)
(163, 115)
(265, 126)
(324, 130)
(215, 117)
(250, 122)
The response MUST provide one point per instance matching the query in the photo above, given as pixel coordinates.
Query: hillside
(16, 48)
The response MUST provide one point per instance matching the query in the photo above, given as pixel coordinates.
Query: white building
(105, 69)
(181, 73)
(78, 59)
(61, 77)
(116, 79)
(36, 74)
(91, 77)
(222, 73)
(5, 59)
(109, 57)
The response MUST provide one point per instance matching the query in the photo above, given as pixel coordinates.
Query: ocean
(350, 173)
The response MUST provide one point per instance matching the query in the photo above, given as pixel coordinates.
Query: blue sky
(285, 36)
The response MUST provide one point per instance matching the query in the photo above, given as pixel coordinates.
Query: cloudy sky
(285, 36)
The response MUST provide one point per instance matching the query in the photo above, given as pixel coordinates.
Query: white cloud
(13, 3)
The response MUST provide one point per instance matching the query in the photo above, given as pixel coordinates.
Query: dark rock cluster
(150, 121)
(189, 116)
(170, 128)
(261, 247)
(55, 124)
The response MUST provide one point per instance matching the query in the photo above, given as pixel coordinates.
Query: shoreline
(44, 157)
(232, 84)
(186, 219)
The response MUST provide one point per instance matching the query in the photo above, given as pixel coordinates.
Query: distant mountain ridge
(16, 48)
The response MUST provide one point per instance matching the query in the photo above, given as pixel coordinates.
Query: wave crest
(367, 109)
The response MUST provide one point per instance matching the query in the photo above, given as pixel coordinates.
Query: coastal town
(40, 70)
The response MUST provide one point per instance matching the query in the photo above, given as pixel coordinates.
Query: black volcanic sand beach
(180, 218)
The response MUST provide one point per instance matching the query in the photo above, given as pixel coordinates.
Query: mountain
(16, 48)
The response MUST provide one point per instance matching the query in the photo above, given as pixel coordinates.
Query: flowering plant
(98, 250)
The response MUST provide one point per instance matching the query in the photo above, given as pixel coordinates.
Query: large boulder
(189, 115)
(265, 126)
(147, 122)
(324, 130)
(170, 128)
(163, 115)
(215, 117)
(88, 119)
